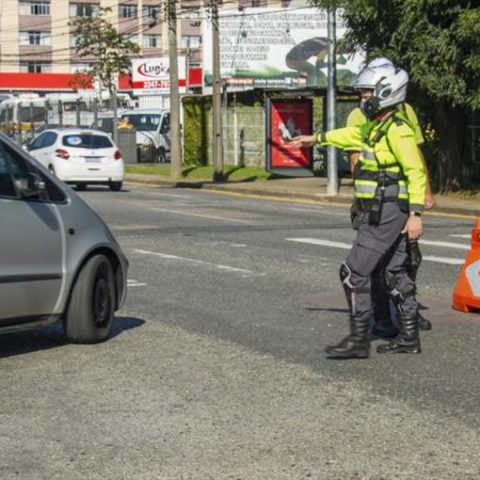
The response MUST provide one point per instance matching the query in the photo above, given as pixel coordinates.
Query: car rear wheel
(91, 308)
(115, 186)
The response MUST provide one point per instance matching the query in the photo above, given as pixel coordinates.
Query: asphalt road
(216, 367)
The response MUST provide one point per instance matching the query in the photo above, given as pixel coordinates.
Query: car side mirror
(27, 147)
(30, 184)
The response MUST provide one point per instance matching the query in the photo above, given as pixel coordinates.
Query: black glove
(415, 257)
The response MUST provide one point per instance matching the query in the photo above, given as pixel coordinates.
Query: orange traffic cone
(466, 295)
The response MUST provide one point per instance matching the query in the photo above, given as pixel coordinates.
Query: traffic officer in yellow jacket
(390, 185)
(383, 326)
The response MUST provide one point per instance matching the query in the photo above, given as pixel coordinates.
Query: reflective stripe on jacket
(397, 157)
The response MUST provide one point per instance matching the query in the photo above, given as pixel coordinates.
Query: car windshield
(87, 140)
(145, 122)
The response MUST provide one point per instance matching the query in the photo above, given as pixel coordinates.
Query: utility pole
(187, 66)
(217, 136)
(176, 147)
(332, 172)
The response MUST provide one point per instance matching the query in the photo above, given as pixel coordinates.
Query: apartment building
(36, 35)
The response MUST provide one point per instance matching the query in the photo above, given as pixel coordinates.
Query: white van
(153, 129)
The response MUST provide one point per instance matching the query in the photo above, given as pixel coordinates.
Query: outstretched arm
(346, 138)
(303, 141)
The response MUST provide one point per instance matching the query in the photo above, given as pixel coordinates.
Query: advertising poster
(152, 75)
(277, 48)
(286, 119)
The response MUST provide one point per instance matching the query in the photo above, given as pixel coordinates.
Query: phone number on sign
(156, 84)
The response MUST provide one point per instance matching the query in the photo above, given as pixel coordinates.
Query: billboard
(152, 75)
(277, 48)
(287, 118)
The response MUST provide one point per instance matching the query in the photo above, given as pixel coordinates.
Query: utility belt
(372, 207)
(365, 204)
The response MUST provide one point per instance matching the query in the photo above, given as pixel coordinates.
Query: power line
(49, 26)
(141, 28)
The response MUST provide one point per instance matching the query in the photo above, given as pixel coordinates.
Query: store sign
(277, 48)
(152, 75)
(287, 119)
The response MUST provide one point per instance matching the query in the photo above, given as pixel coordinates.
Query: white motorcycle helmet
(389, 85)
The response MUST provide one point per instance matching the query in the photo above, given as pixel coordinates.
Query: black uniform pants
(385, 245)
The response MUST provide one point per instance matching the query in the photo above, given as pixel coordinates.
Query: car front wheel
(91, 308)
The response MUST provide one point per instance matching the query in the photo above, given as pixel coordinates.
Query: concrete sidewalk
(313, 189)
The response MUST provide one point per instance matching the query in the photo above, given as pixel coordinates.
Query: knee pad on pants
(394, 288)
(345, 275)
(345, 278)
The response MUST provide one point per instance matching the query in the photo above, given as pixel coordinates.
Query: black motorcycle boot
(407, 341)
(355, 345)
(423, 323)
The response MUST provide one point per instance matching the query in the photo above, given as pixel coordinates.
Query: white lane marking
(306, 209)
(325, 243)
(448, 260)
(133, 283)
(223, 243)
(217, 266)
(461, 235)
(212, 217)
(434, 243)
(347, 246)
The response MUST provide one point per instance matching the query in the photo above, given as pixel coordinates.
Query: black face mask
(371, 107)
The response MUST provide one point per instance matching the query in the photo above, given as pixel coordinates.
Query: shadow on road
(327, 309)
(125, 323)
(52, 337)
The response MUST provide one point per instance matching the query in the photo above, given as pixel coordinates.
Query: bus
(24, 115)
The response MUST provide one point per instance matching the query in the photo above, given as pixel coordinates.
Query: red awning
(69, 81)
(43, 81)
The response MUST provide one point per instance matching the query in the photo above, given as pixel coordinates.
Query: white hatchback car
(80, 156)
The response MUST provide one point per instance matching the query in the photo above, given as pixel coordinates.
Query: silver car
(58, 259)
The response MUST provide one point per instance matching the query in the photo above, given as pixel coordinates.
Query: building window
(34, 8)
(127, 11)
(35, 38)
(83, 10)
(152, 41)
(193, 16)
(35, 67)
(151, 11)
(133, 38)
(79, 67)
(191, 41)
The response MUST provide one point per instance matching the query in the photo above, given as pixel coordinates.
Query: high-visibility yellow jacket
(388, 150)
(357, 117)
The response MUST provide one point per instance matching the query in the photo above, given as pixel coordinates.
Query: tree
(438, 43)
(97, 38)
